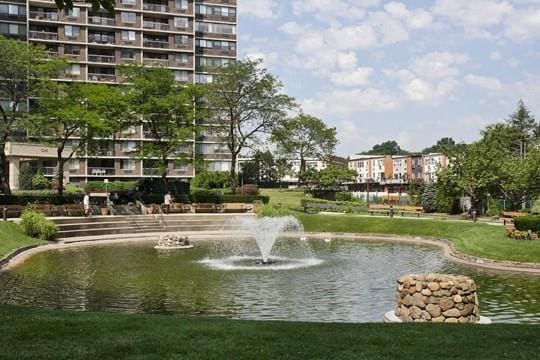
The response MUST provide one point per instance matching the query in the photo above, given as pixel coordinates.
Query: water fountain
(239, 254)
(169, 242)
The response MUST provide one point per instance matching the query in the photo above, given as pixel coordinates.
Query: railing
(155, 7)
(100, 171)
(155, 25)
(101, 58)
(151, 171)
(46, 170)
(156, 62)
(101, 40)
(40, 15)
(52, 53)
(100, 20)
(156, 44)
(102, 77)
(42, 35)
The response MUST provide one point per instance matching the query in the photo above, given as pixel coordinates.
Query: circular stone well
(437, 298)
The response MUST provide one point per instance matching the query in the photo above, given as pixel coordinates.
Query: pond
(351, 281)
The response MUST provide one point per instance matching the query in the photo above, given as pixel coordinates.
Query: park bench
(206, 207)
(13, 210)
(385, 209)
(508, 216)
(45, 209)
(235, 208)
(178, 208)
(73, 210)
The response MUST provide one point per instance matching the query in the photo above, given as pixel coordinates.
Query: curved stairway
(82, 228)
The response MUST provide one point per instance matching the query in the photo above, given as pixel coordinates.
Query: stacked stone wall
(437, 298)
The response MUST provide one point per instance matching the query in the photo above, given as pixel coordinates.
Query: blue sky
(411, 71)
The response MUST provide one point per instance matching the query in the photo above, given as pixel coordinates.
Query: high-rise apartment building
(189, 37)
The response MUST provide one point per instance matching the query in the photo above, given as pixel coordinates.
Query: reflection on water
(354, 282)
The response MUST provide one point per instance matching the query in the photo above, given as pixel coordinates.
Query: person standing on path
(167, 202)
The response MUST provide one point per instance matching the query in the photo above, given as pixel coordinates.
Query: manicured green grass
(12, 238)
(50, 334)
(481, 240)
(284, 197)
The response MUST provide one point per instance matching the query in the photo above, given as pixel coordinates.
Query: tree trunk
(164, 175)
(61, 163)
(234, 179)
(4, 171)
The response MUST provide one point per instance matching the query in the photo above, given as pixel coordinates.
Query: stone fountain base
(390, 317)
(173, 242)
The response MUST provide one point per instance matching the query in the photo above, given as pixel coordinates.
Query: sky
(411, 71)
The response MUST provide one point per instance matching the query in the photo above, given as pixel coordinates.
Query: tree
(64, 111)
(520, 178)
(429, 198)
(245, 102)
(167, 112)
(386, 148)
(330, 178)
(25, 177)
(445, 145)
(305, 136)
(282, 168)
(22, 67)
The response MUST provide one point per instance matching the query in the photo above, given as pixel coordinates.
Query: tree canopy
(305, 136)
(389, 147)
(445, 145)
(245, 102)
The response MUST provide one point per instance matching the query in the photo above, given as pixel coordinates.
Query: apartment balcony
(102, 77)
(155, 7)
(101, 171)
(104, 59)
(156, 62)
(101, 40)
(156, 44)
(41, 15)
(155, 25)
(42, 35)
(151, 172)
(101, 20)
(46, 170)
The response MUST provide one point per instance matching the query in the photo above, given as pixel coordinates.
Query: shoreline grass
(28, 333)
(12, 238)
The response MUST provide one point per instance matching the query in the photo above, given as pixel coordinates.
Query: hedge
(206, 196)
(99, 186)
(525, 223)
(247, 199)
(47, 198)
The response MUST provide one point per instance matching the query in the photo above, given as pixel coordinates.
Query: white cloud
(358, 77)
(523, 25)
(495, 55)
(416, 19)
(262, 9)
(331, 10)
(484, 82)
(349, 102)
(439, 64)
(473, 13)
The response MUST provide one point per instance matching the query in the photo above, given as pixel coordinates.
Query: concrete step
(101, 219)
(115, 224)
(130, 230)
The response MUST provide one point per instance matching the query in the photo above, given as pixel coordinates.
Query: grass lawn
(474, 239)
(12, 238)
(27, 333)
(287, 198)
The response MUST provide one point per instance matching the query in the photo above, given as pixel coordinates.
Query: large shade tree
(168, 112)
(71, 116)
(22, 68)
(303, 137)
(245, 102)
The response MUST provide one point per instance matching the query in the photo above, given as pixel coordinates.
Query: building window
(74, 69)
(72, 50)
(129, 2)
(128, 17)
(181, 75)
(181, 39)
(127, 54)
(180, 166)
(127, 164)
(203, 78)
(181, 4)
(73, 164)
(128, 35)
(71, 30)
(215, 28)
(128, 146)
(181, 59)
(73, 13)
(181, 22)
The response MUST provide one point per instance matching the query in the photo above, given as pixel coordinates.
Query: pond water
(351, 281)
